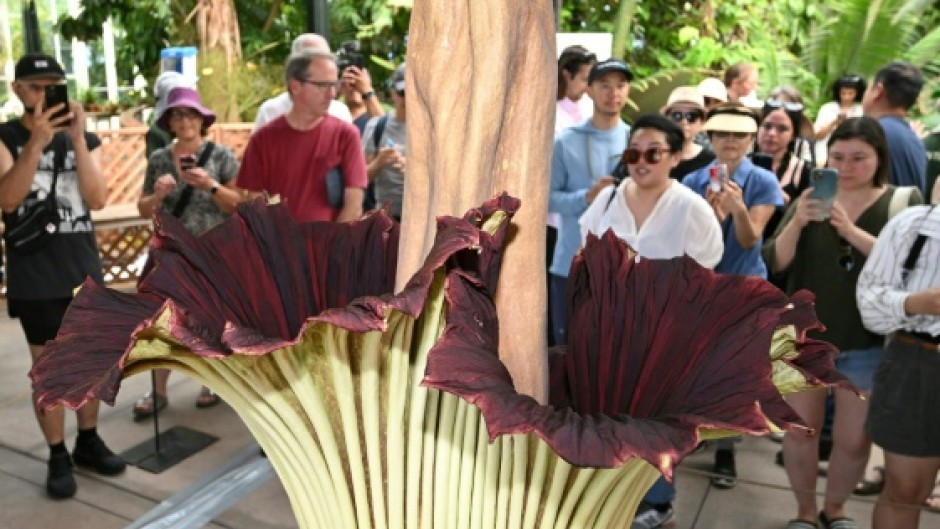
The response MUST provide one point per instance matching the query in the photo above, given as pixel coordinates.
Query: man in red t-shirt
(292, 155)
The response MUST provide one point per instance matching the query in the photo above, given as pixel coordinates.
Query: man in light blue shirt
(583, 158)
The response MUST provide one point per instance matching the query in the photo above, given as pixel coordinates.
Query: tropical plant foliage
(805, 43)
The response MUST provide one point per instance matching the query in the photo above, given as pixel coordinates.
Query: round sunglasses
(691, 116)
(651, 155)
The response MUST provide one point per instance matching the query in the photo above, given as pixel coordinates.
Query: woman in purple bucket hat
(193, 179)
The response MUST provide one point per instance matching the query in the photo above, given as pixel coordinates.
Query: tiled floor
(760, 501)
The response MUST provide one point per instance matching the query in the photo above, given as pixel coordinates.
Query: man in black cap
(583, 158)
(41, 155)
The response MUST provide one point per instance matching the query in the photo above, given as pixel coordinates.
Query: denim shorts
(859, 365)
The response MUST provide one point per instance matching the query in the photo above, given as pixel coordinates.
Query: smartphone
(824, 181)
(187, 162)
(57, 94)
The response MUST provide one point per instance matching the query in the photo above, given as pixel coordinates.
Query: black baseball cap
(38, 65)
(610, 65)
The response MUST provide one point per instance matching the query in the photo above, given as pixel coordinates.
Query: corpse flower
(382, 410)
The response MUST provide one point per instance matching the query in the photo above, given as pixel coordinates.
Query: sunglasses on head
(723, 134)
(786, 105)
(690, 116)
(651, 155)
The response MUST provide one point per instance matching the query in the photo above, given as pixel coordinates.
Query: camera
(349, 54)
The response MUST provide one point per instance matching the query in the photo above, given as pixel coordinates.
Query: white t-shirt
(281, 104)
(826, 115)
(681, 223)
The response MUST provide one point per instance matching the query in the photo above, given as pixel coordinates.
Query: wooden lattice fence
(122, 234)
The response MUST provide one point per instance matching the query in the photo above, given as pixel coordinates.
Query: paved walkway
(760, 501)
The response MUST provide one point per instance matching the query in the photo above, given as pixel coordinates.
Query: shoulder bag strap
(58, 162)
(899, 200)
(187, 194)
(916, 248)
(379, 131)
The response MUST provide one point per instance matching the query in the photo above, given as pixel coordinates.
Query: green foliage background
(804, 43)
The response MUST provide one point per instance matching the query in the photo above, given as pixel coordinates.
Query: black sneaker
(95, 455)
(725, 471)
(60, 483)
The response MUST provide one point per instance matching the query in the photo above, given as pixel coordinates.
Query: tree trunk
(481, 84)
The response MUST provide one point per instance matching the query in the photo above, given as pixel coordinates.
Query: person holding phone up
(821, 245)
(194, 179)
(40, 155)
(743, 197)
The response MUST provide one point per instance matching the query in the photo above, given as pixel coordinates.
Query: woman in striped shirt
(899, 293)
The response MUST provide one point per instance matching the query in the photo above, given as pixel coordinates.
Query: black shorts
(40, 318)
(904, 412)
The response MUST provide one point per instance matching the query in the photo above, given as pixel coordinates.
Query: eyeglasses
(691, 116)
(724, 135)
(651, 155)
(847, 259)
(183, 113)
(786, 105)
(324, 86)
(781, 129)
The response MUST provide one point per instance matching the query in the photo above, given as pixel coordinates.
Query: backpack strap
(187, 194)
(899, 200)
(916, 248)
(379, 131)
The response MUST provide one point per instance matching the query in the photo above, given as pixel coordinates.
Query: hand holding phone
(824, 182)
(187, 162)
(57, 94)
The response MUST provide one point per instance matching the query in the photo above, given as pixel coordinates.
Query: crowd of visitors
(712, 175)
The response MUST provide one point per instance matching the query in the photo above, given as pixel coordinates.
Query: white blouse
(681, 223)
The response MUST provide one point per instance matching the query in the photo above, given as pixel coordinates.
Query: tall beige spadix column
(481, 85)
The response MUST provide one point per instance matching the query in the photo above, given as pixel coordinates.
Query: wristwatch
(368, 95)
(214, 189)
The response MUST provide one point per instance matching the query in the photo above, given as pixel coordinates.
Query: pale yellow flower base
(358, 443)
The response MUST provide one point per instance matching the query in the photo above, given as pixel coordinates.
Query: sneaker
(725, 472)
(95, 455)
(60, 483)
(648, 517)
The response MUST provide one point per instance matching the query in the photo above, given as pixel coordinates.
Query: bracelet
(368, 95)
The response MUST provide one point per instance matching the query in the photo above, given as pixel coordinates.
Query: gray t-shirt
(389, 182)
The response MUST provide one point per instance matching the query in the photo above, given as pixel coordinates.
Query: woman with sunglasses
(686, 107)
(779, 138)
(660, 219)
(846, 102)
(743, 203)
(823, 250)
(655, 215)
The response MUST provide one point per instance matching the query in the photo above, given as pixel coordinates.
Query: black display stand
(168, 448)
